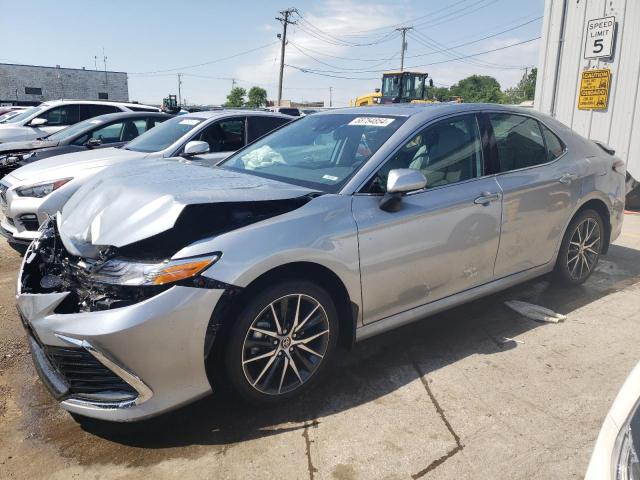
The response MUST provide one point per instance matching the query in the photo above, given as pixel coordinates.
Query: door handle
(567, 178)
(486, 198)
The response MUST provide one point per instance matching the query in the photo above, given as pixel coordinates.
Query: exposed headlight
(40, 190)
(625, 454)
(122, 272)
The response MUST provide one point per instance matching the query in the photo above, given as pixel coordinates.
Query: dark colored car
(111, 130)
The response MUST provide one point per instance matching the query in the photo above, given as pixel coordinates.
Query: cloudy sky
(342, 44)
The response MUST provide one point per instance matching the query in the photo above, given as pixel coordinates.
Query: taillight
(619, 166)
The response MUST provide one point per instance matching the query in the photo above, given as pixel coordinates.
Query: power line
(206, 63)
(477, 40)
(328, 72)
(301, 50)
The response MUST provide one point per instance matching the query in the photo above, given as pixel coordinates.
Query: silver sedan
(337, 227)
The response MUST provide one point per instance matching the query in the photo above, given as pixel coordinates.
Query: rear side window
(92, 110)
(555, 147)
(260, 126)
(519, 141)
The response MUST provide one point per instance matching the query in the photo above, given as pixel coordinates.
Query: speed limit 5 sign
(600, 35)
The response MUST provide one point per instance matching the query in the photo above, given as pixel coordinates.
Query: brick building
(30, 84)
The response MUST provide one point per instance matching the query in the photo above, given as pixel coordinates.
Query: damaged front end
(106, 282)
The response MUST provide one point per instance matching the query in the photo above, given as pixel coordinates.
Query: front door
(445, 238)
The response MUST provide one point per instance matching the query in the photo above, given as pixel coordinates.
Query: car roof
(108, 117)
(95, 102)
(423, 111)
(233, 113)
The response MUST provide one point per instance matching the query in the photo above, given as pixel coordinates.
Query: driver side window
(224, 135)
(448, 152)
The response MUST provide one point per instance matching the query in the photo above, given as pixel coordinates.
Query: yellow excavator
(398, 87)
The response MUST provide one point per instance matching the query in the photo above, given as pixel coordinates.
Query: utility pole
(330, 96)
(179, 91)
(106, 81)
(403, 47)
(233, 83)
(283, 38)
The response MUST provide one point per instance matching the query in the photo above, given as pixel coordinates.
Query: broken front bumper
(155, 347)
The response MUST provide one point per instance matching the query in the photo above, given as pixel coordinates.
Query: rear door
(445, 237)
(259, 126)
(540, 185)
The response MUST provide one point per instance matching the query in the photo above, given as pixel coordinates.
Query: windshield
(24, 115)
(318, 151)
(74, 129)
(163, 135)
(390, 86)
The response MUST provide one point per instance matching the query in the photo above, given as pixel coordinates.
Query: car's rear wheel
(281, 341)
(581, 248)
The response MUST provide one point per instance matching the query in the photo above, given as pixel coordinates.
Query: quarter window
(555, 147)
(448, 152)
(224, 136)
(519, 141)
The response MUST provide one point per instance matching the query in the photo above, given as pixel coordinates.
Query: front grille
(29, 221)
(85, 374)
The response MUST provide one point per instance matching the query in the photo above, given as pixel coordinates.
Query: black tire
(576, 272)
(290, 367)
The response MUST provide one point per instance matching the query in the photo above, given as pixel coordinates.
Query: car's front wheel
(281, 341)
(581, 248)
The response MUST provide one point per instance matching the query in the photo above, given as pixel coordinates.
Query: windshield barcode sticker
(187, 121)
(372, 121)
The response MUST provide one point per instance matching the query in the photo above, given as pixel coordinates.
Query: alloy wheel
(285, 344)
(584, 248)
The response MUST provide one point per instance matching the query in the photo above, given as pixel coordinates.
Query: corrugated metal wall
(619, 124)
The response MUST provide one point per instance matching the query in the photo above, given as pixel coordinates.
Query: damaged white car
(152, 283)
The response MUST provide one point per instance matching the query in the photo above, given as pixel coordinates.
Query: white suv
(49, 117)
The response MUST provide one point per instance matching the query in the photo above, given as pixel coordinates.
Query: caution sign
(594, 90)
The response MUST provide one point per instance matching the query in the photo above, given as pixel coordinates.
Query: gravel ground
(451, 397)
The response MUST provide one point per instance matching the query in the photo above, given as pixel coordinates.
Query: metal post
(330, 96)
(179, 90)
(285, 21)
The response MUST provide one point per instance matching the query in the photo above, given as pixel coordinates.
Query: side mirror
(195, 148)
(399, 181)
(93, 142)
(38, 122)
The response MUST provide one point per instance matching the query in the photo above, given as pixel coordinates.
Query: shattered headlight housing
(626, 455)
(40, 190)
(132, 273)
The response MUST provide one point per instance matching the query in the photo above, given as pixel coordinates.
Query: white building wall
(618, 125)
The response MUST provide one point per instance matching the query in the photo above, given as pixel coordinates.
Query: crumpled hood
(26, 145)
(50, 168)
(10, 133)
(127, 204)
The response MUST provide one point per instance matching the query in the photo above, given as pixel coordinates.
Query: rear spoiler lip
(605, 147)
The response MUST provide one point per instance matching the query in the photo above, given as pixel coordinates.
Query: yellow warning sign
(594, 90)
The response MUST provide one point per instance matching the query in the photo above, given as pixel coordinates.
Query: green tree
(525, 90)
(236, 97)
(441, 94)
(257, 97)
(478, 88)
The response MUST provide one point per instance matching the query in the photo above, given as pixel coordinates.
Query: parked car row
(31, 193)
(238, 247)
